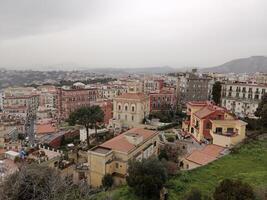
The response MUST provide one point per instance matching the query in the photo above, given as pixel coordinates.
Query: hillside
(243, 65)
(249, 164)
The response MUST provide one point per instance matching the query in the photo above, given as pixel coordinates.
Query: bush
(233, 190)
(107, 181)
(147, 177)
(194, 194)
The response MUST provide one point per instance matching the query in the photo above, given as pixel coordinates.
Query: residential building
(242, 98)
(261, 78)
(213, 124)
(20, 101)
(192, 87)
(129, 110)
(112, 156)
(153, 85)
(135, 86)
(70, 99)
(111, 91)
(163, 99)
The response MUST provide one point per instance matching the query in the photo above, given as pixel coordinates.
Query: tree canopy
(233, 190)
(216, 92)
(147, 177)
(261, 111)
(88, 117)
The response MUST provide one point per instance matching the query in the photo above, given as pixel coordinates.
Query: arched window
(119, 107)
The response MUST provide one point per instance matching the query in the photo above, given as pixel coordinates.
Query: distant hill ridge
(243, 65)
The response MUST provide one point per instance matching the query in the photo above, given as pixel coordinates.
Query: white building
(242, 98)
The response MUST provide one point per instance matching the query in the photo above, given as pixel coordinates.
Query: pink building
(162, 99)
(69, 100)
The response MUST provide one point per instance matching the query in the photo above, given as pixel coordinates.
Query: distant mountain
(243, 65)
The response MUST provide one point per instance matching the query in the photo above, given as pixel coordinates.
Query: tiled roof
(120, 142)
(204, 112)
(132, 96)
(212, 150)
(45, 128)
(208, 154)
(200, 158)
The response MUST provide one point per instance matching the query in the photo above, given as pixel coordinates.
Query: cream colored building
(112, 156)
(242, 98)
(130, 109)
(213, 124)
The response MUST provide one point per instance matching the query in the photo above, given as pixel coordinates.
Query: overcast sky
(130, 33)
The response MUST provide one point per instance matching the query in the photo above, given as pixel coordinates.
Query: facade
(112, 156)
(68, 100)
(162, 100)
(213, 124)
(130, 109)
(242, 98)
(1, 100)
(111, 91)
(20, 101)
(152, 85)
(192, 87)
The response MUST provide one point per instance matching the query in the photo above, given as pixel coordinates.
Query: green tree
(107, 181)
(87, 117)
(147, 177)
(82, 116)
(233, 190)
(97, 117)
(216, 92)
(261, 111)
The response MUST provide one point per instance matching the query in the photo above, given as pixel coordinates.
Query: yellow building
(112, 156)
(129, 110)
(213, 124)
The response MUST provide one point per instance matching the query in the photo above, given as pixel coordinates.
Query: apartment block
(242, 98)
(20, 101)
(70, 99)
(192, 87)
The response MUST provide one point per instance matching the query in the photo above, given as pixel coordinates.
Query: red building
(162, 100)
(106, 106)
(69, 100)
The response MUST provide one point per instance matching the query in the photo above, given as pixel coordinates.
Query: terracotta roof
(207, 110)
(132, 96)
(120, 142)
(204, 112)
(45, 128)
(208, 154)
(200, 158)
(212, 150)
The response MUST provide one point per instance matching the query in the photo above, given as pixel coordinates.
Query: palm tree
(97, 117)
(87, 117)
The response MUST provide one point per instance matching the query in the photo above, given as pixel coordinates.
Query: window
(117, 165)
(119, 107)
(155, 143)
(218, 130)
(230, 130)
(119, 116)
(125, 117)
(132, 118)
(125, 108)
(132, 108)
